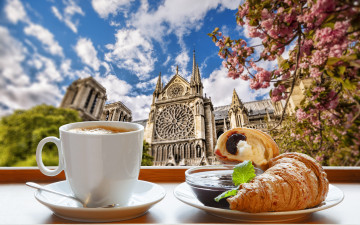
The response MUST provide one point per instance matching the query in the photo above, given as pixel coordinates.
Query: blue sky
(124, 44)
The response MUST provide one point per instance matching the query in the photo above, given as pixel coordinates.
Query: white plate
(145, 195)
(184, 193)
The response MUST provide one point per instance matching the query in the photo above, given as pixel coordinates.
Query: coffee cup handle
(39, 161)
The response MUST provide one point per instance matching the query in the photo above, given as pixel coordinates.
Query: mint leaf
(243, 173)
(226, 194)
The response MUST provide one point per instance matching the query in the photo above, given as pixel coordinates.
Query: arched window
(192, 151)
(187, 151)
(181, 151)
(158, 154)
(88, 99)
(120, 116)
(198, 151)
(94, 103)
(75, 94)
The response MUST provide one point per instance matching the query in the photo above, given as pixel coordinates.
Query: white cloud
(175, 16)
(45, 37)
(133, 47)
(220, 88)
(168, 58)
(15, 11)
(116, 89)
(57, 13)
(86, 51)
(106, 7)
(132, 51)
(182, 61)
(24, 97)
(46, 69)
(139, 106)
(66, 67)
(11, 57)
(16, 90)
(70, 10)
(148, 85)
(230, 4)
(119, 90)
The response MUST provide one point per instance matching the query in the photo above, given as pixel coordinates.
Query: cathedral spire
(236, 100)
(194, 64)
(195, 75)
(158, 87)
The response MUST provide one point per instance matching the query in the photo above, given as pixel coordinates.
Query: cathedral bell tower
(195, 81)
(87, 96)
(238, 113)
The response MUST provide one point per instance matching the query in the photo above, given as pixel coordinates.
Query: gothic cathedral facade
(181, 125)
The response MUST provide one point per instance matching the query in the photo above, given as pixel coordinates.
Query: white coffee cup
(101, 169)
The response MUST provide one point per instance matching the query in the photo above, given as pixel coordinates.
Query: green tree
(21, 132)
(147, 160)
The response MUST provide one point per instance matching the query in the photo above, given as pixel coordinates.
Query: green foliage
(21, 132)
(147, 160)
(334, 149)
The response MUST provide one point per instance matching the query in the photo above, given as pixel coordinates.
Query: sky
(45, 45)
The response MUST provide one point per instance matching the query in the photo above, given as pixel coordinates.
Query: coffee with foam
(99, 130)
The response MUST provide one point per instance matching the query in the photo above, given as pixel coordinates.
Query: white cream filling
(253, 153)
(244, 149)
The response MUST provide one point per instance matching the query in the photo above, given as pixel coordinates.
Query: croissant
(293, 181)
(240, 144)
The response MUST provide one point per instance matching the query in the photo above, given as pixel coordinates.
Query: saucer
(145, 195)
(184, 193)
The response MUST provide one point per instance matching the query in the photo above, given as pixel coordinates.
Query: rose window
(175, 122)
(175, 90)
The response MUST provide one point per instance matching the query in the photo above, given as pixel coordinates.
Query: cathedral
(88, 97)
(183, 125)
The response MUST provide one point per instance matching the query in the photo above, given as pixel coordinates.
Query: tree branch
(293, 82)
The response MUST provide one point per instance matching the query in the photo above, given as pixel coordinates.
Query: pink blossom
(315, 72)
(319, 158)
(304, 65)
(267, 24)
(306, 47)
(265, 14)
(254, 32)
(301, 115)
(318, 58)
(318, 89)
(255, 84)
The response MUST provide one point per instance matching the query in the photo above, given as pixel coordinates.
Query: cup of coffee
(101, 160)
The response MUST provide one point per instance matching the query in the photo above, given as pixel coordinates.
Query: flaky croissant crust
(294, 181)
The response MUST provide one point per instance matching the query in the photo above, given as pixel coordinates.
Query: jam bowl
(207, 182)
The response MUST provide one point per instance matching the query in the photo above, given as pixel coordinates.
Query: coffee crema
(99, 130)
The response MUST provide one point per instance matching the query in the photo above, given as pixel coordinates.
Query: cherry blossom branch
(292, 84)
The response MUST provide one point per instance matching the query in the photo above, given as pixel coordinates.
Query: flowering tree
(322, 39)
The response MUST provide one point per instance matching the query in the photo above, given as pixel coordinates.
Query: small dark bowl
(207, 182)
